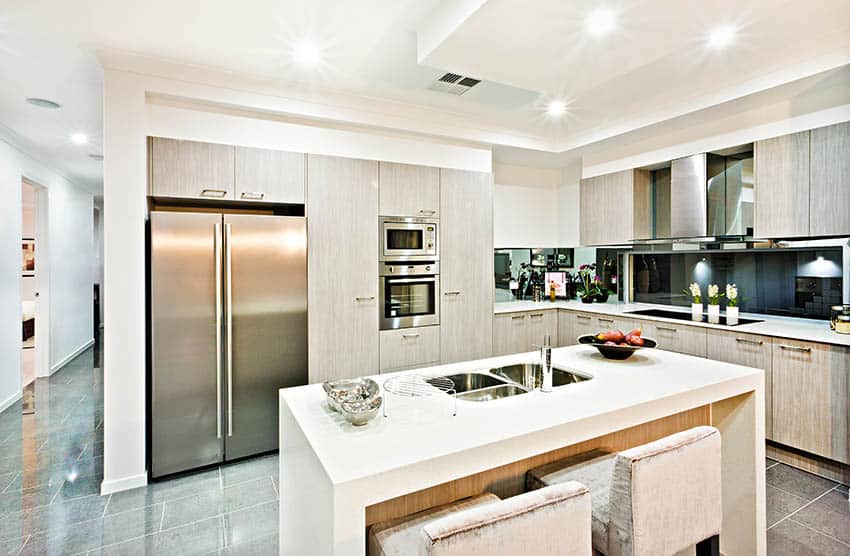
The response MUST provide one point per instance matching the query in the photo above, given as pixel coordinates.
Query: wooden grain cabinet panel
(614, 208)
(830, 180)
(690, 340)
(342, 240)
(566, 328)
(541, 324)
(269, 176)
(510, 333)
(811, 395)
(189, 169)
(782, 186)
(409, 190)
(605, 323)
(409, 347)
(466, 265)
(583, 323)
(749, 350)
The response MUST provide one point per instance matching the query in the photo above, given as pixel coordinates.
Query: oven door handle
(391, 281)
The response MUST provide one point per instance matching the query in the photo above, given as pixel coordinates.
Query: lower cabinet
(409, 348)
(749, 350)
(690, 340)
(811, 396)
(522, 332)
(540, 325)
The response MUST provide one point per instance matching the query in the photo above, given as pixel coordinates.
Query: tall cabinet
(342, 243)
(466, 265)
(830, 174)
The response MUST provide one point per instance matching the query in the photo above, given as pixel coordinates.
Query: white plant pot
(714, 314)
(696, 312)
(731, 316)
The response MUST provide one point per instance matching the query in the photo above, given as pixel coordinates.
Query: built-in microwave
(408, 239)
(409, 295)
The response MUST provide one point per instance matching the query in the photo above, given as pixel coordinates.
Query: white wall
(69, 258)
(134, 109)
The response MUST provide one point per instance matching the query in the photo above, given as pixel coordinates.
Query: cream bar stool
(550, 521)
(658, 499)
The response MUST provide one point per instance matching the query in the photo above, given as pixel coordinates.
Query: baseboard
(73, 355)
(5, 404)
(125, 483)
(817, 465)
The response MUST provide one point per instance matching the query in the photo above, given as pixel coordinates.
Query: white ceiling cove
(654, 66)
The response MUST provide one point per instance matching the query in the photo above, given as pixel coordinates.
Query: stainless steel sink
(492, 393)
(530, 375)
(465, 382)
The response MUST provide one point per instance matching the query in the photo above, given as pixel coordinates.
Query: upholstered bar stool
(549, 521)
(658, 499)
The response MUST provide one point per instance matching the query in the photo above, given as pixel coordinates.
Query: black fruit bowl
(614, 352)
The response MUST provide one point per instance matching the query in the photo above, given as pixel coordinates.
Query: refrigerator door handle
(218, 317)
(229, 310)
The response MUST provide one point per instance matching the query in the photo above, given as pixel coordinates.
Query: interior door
(186, 426)
(267, 287)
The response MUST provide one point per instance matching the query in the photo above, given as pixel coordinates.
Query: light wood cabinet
(408, 190)
(811, 396)
(605, 323)
(782, 186)
(269, 176)
(510, 333)
(615, 208)
(189, 169)
(342, 237)
(690, 340)
(409, 348)
(583, 323)
(749, 350)
(566, 328)
(466, 265)
(830, 180)
(541, 324)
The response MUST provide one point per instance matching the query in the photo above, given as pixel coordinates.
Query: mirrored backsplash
(798, 282)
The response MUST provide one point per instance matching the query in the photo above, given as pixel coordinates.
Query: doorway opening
(34, 292)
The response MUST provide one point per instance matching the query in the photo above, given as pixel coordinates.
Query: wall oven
(408, 239)
(409, 295)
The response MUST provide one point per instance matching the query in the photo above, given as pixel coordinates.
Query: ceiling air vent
(454, 84)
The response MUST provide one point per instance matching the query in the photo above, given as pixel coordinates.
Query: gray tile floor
(51, 465)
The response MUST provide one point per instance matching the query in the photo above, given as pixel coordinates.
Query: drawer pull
(606, 320)
(668, 329)
(451, 293)
(410, 335)
(253, 195)
(749, 342)
(427, 212)
(366, 298)
(795, 348)
(582, 317)
(216, 193)
(537, 315)
(517, 317)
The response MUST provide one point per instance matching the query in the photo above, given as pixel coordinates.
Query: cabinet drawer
(540, 325)
(510, 333)
(749, 350)
(690, 340)
(605, 323)
(409, 347)
(583, 323)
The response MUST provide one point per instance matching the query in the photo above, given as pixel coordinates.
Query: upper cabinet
(189, 169)
(269, 176)
(615, 208)
(829, 200)
(408, 190)
(782, 186)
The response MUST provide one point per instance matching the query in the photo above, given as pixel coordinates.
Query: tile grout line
(804, 506)
(827, 535)
(106, 506)
(5, 488)
(274, 486)
(162, 517)
(23, 545)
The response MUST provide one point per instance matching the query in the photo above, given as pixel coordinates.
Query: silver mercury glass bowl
(350, 390)
(361, 412)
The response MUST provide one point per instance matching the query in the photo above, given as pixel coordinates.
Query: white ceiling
(652, 68)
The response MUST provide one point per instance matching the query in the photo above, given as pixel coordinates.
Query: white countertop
(809, 330)
(653, 383)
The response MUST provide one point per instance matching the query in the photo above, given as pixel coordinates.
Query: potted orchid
(714, 296)
(695, 294)
(732, 304)
(590, 285)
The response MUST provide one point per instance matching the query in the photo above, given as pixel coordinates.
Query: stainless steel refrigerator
(228, 317)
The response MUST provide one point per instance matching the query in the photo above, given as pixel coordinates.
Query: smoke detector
(454, 84)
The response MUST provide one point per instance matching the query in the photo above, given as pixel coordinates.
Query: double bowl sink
(510, 380)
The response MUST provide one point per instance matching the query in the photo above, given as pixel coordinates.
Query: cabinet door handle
(537, 315)
(518, 317)
(410, 335)
(215, 193)
(795, 348)
(253, 195)
(665, 328)
(427, 212)
(606, 320)
(582, 317)
(367, 298)
(749, 342)
(451, 293)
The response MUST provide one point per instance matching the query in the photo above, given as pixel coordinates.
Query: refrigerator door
(266, 284)
(186, 413)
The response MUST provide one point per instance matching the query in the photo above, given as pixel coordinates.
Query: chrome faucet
(546, 363)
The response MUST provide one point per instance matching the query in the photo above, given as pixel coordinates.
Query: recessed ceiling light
(306, 54)
(556, 108)
(722, 36)
(44, 103)
(601, 22)
(79, 138)
(95, 156)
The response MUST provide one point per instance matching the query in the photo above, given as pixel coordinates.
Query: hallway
(51, 466)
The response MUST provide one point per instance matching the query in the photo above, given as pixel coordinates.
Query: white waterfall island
(336, 479)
